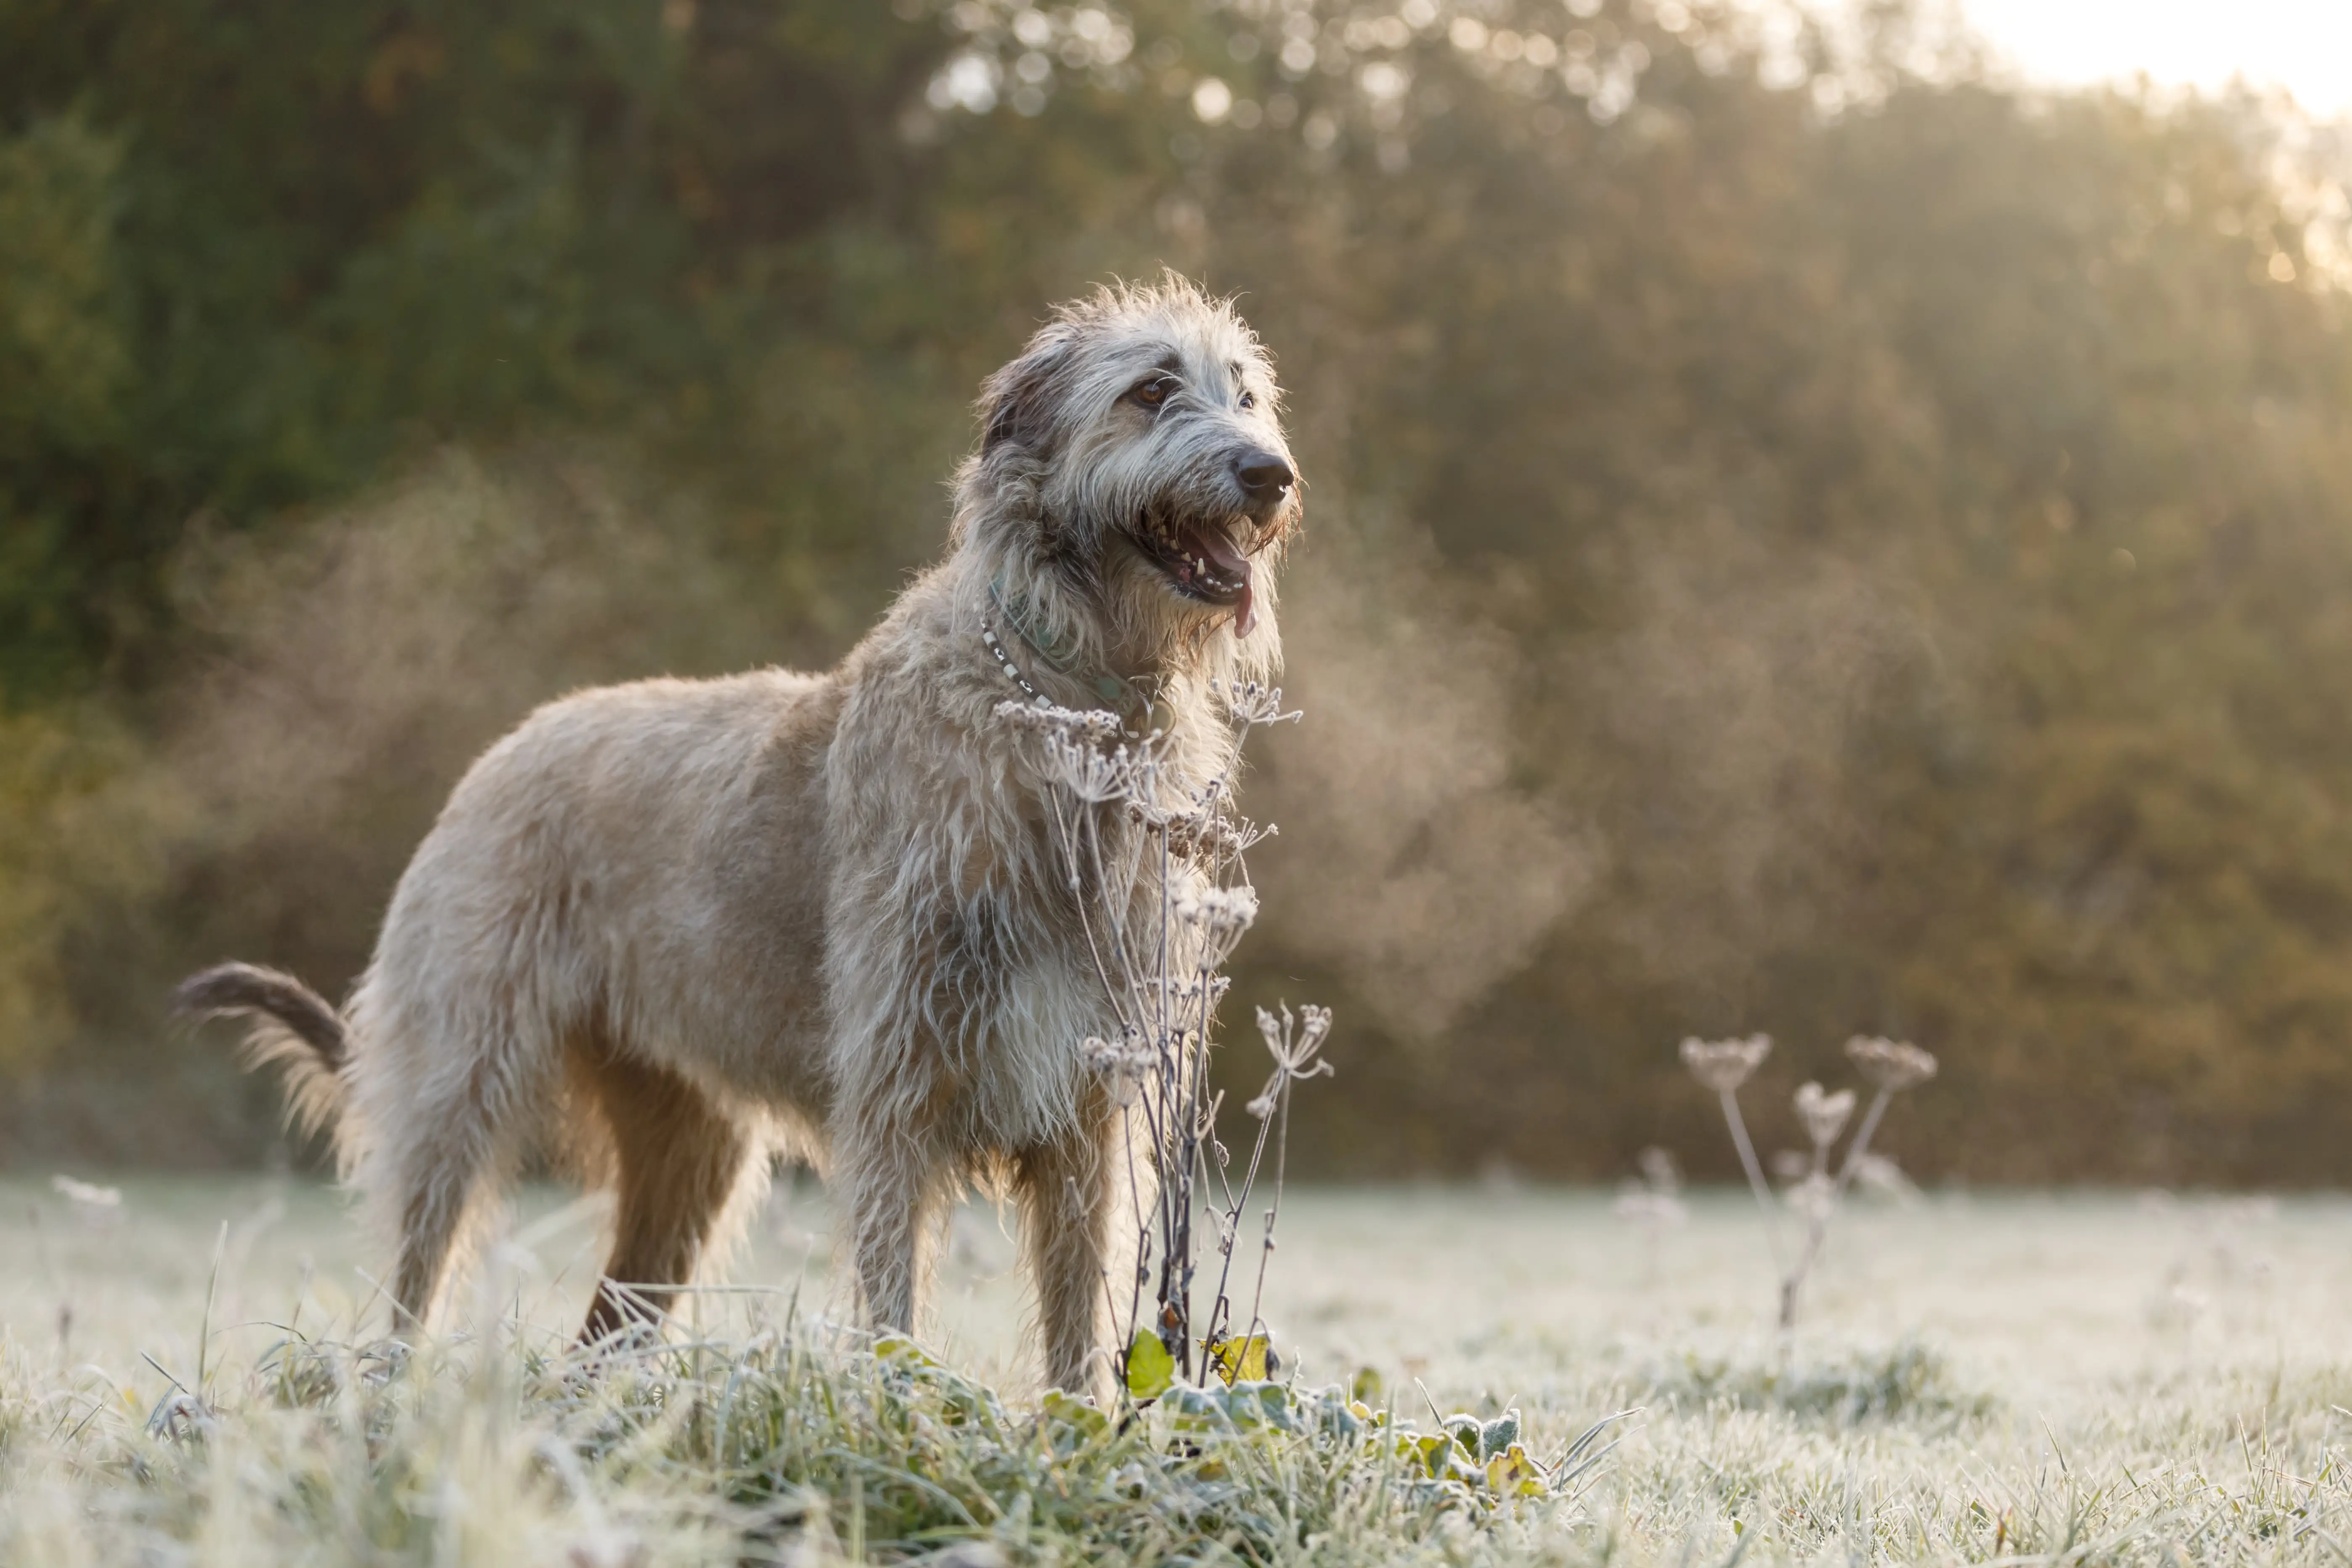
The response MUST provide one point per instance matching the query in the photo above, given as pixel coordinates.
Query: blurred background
(1813, 526)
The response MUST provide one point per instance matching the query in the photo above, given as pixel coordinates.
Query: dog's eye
(1151, 393)
(1249, 400)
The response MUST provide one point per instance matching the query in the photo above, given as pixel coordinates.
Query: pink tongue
(1232, 562)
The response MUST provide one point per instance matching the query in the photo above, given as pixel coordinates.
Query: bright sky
(2304, 46)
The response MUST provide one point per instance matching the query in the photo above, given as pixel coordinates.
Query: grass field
(2109, 1378)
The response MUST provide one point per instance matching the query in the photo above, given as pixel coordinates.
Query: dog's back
(611, 937)
(584, 888)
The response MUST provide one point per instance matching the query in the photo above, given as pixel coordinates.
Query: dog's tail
(293, 1028)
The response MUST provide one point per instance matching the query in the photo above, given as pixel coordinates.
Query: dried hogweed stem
(1894, 1065)
(1723, 1065)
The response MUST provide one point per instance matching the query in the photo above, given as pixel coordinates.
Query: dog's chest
(1014, 1064)
(1035, 968)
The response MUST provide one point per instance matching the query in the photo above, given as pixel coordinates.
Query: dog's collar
(1135, 706)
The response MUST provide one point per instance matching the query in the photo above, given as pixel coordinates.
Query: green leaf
(1072, 1418)
(1236, 1359)
(894, 1347)
(1512, 1474)
(1196, 1410)
(1258, 1403)
(1149, 1368)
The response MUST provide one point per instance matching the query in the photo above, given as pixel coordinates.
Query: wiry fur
(294, 1028)
(682, 926)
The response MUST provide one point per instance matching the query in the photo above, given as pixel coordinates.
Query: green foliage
(331, 240)
(1907, 1382)
(1241, 1356)
(64, 359)
(1149, 1368)
(926, 1457)
(86, 826)
(786, 1442)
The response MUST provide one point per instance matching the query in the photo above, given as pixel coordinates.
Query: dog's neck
(1176, 705)
(1019, 637)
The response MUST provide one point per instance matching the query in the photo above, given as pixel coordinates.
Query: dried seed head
(1204, 834)
(1097, 725)
(1724, 1065)
(1183, 993)
(1252, 702)
(1293, 1040)
(1814, 1196)
(1124, 1062)
(1216, 918)
(1219, 911)
(1892, 1064)
(1824, 1115)
(1092, 773)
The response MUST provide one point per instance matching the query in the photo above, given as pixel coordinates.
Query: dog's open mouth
(1201, 559)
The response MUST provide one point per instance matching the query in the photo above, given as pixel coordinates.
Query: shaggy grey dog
(682, 927)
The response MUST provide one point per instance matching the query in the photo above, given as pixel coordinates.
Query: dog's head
(1133, 456)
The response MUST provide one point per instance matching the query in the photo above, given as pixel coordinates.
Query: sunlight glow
(2303, 46)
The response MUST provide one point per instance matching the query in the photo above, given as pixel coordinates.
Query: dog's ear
(1016, 403)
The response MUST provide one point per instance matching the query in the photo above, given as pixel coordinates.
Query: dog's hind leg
(683, 1168)
(448, 1079)
(442, 1179)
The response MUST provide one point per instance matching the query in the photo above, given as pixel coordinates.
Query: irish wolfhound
(684, 926)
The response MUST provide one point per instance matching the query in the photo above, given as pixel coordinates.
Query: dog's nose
(1262, 473)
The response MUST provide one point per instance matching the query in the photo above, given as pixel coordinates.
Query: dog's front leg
(1076, 1196)
(889, 1189)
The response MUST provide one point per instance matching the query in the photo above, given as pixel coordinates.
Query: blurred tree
(1875, 535)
